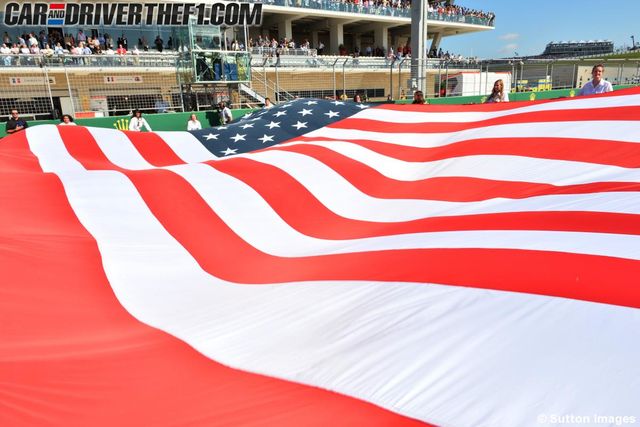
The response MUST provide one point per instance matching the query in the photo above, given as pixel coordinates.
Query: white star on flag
(211, 136)
(305, 112)
(338, 103)
(221, 127)
(229, 151)
(362, 106)
(311, 102)
(266, 138)
(238, 137)
(248, 125)
(300, 125)
(332, 114)
(273, 125)
(280, 113)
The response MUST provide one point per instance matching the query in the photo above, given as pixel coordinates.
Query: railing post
(439, 77)
(446, 79)
(66, 73)
(344, 78)
(335, 91)
(277, 90)
(181, 93)
(391, 79)
(400, 74)
(46, 81)
(264, 75)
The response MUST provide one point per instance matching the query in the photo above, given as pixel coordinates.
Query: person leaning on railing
(5, 50)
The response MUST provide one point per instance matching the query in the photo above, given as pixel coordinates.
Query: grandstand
(574, 49)
(323, 48)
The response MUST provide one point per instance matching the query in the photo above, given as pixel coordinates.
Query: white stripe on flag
(626, 131)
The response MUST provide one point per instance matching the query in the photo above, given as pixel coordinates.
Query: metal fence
(91, 85)
(385, 78)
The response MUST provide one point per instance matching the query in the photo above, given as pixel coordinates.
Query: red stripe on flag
(153, 149)
(455, 189)
(614, 153)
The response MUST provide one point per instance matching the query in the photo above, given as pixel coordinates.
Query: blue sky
(526, 26)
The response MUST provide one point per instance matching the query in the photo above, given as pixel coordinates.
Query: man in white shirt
(596, 85)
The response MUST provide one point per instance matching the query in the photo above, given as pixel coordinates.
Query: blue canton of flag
(275, 125)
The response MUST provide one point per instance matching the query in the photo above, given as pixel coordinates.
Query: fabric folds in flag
(326, 263)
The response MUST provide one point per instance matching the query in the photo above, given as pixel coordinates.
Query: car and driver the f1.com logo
(124, 14)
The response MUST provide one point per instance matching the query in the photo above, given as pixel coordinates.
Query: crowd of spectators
(273, 48)
(440, 9)
(447, 9)
(55, 43)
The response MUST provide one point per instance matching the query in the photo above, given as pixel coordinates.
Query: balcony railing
(336, 6)
(68, 60)
(271, 51)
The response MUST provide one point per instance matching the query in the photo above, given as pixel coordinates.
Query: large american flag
(449, 265)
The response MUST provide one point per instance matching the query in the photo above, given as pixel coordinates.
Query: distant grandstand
(575, 49)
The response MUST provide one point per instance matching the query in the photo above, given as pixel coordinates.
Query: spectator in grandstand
(121, 50)
(137, 122)
(267, 103)
(58, 50)
(15, 123)
(597, 84)
(86, 50)
(47, 51)
(33, 41)
(161, 106)
(225, 113)
(418, 97)
(66, 120)
(357, 98)
(159, 43)
(142, 42)
(6, 50)
(193, 123)
(498, 94)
